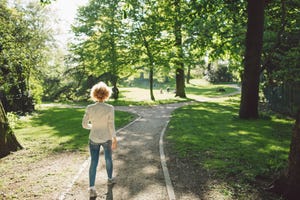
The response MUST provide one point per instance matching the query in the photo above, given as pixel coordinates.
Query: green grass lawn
(209, 90)
(139, 94)
(234, 150)
(55, 129)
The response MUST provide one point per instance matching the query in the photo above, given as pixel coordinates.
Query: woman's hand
(114, 144)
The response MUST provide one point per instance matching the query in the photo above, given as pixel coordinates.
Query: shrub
(219, 73)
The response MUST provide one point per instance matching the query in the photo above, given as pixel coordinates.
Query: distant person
(168, 89)
(99, 118)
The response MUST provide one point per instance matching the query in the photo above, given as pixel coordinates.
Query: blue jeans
(95, 151)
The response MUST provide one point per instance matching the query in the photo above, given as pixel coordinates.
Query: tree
(250, 77)
(8, 141)
(281, 55)
(292, 186)
(146, 37)
(22, 49)
(288, 183)
(13, 60)
(100, 46)
(24, 45)
(180, 83)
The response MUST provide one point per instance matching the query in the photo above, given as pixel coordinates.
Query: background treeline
(26, 46)
(162, 40)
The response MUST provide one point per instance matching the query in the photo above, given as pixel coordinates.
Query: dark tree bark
(250, 78)
(180, 85)
(288, 183)
(8, 141)
(115, 90)
(151, 83)
(293, 175)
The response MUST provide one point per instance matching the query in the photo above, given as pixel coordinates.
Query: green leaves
(23, 39)
(101, 46)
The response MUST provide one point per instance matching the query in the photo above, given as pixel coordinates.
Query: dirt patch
(37, 178)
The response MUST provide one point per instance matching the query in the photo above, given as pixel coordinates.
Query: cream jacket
(100, 119)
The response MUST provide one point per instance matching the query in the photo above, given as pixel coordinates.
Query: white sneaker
(111, 181)
(93, 192)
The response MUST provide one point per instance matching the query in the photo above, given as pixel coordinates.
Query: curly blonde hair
(100, 92)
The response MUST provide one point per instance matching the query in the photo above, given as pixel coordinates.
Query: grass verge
(235, 151)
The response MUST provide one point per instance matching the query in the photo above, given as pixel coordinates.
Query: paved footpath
(137, 164)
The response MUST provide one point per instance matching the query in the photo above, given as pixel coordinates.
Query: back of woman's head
(100, 92)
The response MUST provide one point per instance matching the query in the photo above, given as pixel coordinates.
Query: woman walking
(99, 118)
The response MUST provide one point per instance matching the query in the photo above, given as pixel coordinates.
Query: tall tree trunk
(188, 75)
(293, 175)
(151, 83)
(180, 85)
(114, 53)
(250, 78)
(8, 141)
(114, 80)
(151, 62)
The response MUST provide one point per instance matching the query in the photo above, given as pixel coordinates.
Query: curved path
(137, 163)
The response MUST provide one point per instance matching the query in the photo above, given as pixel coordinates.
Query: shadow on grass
(237, 152)
(63, 126)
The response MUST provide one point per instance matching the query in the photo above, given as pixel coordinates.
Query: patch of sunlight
(276, 148)
(241, 132)
(247, 142)
(209, 110)
(140, 94)
(35, 131)
(199, 82)
(271, 148)
(267, 127)
(281, 121)
(150, 170)
(64, 138)
(244, 133)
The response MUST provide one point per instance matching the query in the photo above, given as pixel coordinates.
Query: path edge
(163, 161)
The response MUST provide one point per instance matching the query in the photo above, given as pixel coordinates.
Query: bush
(220, 73)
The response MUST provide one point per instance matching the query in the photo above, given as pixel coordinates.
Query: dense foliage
(24, 41)
(118, 39)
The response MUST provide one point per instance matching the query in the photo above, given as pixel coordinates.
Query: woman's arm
(112, 129)
(85, 120)
(114, 143)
